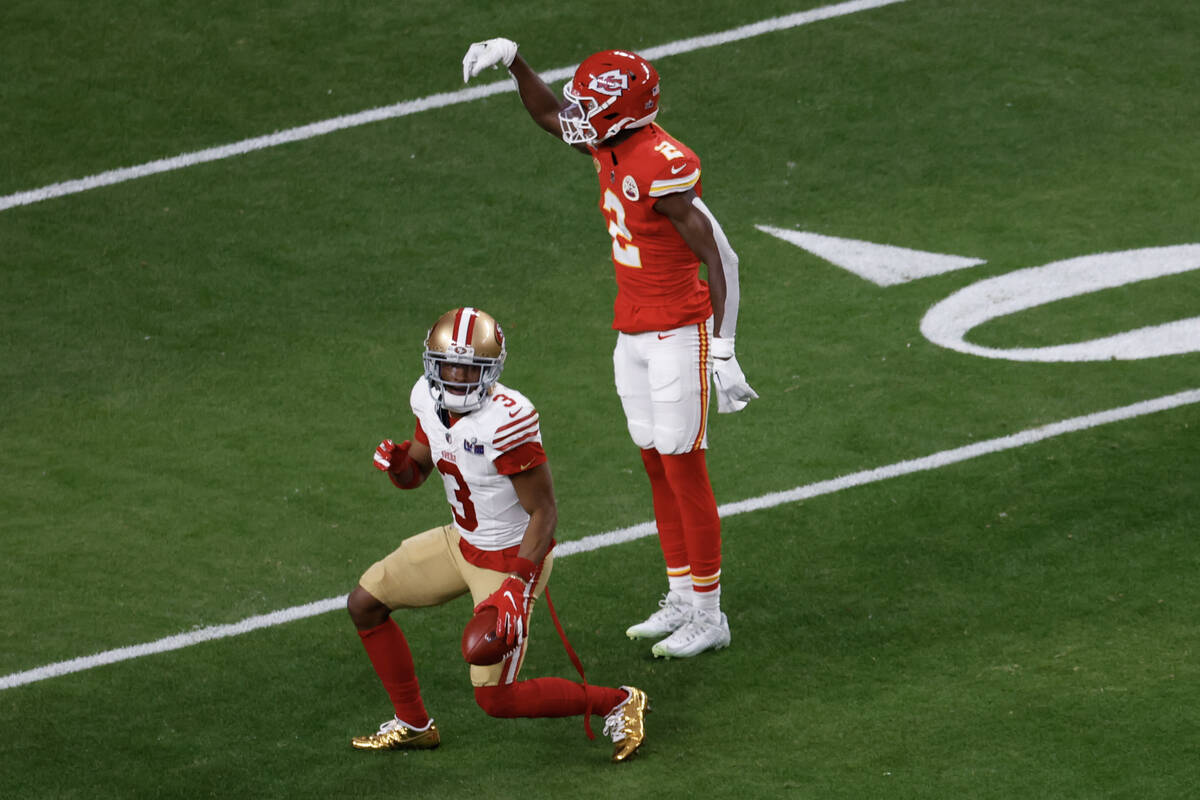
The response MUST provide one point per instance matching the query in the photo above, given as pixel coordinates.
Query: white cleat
(704, 630)
(672, 612)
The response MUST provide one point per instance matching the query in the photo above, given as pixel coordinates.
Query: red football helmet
(611, 91)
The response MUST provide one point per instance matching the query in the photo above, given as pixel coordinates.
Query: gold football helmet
(473, 339)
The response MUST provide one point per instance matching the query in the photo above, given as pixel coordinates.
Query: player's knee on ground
(497, 701)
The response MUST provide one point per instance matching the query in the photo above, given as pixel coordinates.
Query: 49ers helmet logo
(611, 83)
(469, 338)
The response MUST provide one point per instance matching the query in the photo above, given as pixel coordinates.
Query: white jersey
(486, 510)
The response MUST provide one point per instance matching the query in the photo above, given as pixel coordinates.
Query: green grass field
(195, 367)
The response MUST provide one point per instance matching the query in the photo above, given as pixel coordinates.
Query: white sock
(681, 586)
(708, 601)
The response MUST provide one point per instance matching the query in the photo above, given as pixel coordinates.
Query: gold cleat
(626, 724)
(396, 735)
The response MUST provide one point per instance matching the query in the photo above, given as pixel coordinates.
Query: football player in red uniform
(674, 329)
(484, 440)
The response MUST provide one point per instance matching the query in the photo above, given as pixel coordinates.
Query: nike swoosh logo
(511, 599)
(676, 170)
(662, 336)
(525, 466)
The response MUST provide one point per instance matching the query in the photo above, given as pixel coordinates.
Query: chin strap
(587, 714)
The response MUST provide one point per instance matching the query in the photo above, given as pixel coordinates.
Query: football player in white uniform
(485, 442)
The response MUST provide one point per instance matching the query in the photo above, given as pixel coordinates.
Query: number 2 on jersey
(624, 250)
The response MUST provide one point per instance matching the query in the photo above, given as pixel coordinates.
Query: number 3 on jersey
(464, 514)
(624, 250)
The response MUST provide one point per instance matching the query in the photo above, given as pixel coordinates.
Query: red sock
(666, 514)
(547, 697)
(687, 474)
(389, 654)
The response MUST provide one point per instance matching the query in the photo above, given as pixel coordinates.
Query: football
(480, 644)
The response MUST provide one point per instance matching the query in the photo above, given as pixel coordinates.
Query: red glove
(511, 602)
(394, 459)
(388, 451)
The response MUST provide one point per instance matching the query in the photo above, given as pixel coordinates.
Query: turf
(196, 367)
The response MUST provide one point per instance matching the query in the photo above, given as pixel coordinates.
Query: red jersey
(658, 275)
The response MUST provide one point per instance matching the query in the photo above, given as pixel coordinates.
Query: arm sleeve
(729, 264)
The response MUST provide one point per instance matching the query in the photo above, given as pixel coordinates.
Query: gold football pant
(428, 570)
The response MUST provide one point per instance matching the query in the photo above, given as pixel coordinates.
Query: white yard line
(596, 541)
(408, 107)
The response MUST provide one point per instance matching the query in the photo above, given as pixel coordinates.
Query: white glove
(482, 55)
(733, 392)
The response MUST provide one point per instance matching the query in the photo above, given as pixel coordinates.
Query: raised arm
(542, 103)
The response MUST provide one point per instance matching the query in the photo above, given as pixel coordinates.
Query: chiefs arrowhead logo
(629, 188)
(611, 83)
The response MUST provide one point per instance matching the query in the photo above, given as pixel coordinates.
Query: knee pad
(672, 441)
(641, 432)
